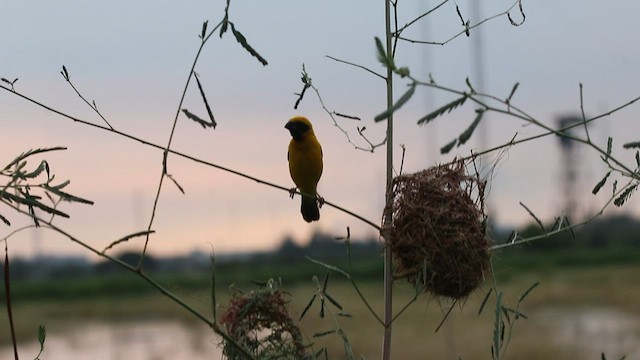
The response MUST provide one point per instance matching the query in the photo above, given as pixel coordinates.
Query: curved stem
(166, 149)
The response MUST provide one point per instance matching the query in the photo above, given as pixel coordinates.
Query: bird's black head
(298, 127)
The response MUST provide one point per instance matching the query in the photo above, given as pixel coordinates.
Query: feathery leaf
(441, 110)
(401, 101)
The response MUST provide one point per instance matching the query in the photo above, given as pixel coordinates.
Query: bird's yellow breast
(305, 163)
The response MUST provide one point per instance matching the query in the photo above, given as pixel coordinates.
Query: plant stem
(7, 293)
(388, 263)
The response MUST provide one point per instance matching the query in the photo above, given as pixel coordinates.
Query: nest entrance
(437, 234)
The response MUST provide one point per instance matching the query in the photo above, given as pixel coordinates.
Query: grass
(465, 334)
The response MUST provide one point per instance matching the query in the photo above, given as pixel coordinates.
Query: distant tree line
(621, 231)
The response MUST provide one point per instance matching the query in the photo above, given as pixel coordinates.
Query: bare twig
(93, 105)
(399, 31)
(356, 65)
(331, 114)
(464, 31)
(584, 118)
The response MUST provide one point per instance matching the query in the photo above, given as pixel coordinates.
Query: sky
(133, 60)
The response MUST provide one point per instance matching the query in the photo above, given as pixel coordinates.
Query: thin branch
(584, 118)
(466, 29)
(371, 147)
(93, 106)
(185, 156)
(547, 234)
(356, 65)
(399, 31)
(168, 147)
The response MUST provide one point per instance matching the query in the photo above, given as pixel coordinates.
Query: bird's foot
(320, 200)
(292, 192)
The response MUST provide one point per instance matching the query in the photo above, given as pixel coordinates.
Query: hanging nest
(437, 234)
(260, 323)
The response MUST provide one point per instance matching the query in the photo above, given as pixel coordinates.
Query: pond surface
(141, 340)
(590, 331)
(594, 331)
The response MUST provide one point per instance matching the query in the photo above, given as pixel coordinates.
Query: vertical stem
(7, 293)
(388, 264)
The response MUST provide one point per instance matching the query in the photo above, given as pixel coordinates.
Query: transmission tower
(569, 166)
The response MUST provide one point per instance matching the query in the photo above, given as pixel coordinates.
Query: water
(590, 331)
(146, 340)
(594, 330)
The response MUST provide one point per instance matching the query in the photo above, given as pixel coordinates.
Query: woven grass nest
(437, 234)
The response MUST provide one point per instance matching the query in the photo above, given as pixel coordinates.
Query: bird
(305, 164)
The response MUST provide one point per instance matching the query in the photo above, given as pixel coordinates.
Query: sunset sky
(133, 59)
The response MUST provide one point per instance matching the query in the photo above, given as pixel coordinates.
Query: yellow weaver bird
(305, 164)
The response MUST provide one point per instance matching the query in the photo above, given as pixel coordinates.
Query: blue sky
(133, 58)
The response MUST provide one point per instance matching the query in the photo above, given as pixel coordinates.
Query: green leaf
(10, 82)
(4, 220)
(484, 301)
(127, 238)
(467, 133)
(64, 73)
(440, 111)
(205, 124)
(403, 71)
(31, 153)
(382, 55)
(175, 182)
(638, 158)
(243, 41)
(626, 194)
(513, 91)
(206, 103)
(473, 91)
(524, 295)
(333, 301)
(203, 32)
(59, 186)
(329, 267)
(66, 196)
(498, 327)
(42, 334)
(533, 216)
(600, 184)
(324, 333)
(306, 308)
(401, 101)
(445, 149)
(609, 146)
(225, 20)
(632, 145)
(32, 201)
(37, 171)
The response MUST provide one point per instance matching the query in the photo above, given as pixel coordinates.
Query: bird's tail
(309, 209)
